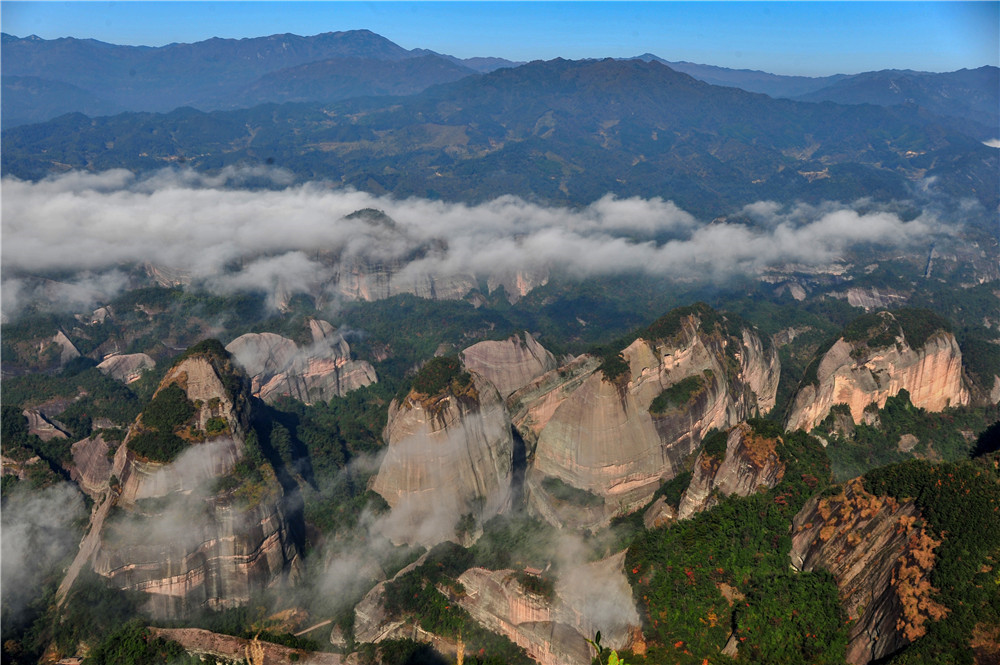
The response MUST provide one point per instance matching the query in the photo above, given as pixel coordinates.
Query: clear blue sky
(810, 38)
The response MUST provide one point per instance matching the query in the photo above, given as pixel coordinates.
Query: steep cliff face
(554, 631)
(862, 371)
(750, 461)
(880, 559)
(360, 279)
(176, 533)
(619, 437)
(278, 367)
(510, 364)
(449, 453)
(91, 465)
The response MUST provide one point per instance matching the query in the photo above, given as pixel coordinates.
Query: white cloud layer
(293, 236)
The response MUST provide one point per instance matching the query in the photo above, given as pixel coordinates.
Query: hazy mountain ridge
(562, 131)
(971, 94)
(217, 73)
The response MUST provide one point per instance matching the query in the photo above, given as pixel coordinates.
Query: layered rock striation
(619, 436)
(880, 559)
(449, 453)
(177, 533)
(868, 370)
(316, 373)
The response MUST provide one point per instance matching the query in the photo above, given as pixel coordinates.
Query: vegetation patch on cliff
(421, 595)
(981, 358)
(919, 324)
(948, 435)
(877, 330)
(563, 491)
(681, 393)
(441, 373)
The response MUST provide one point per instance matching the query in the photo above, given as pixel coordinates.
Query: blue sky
(809, 38)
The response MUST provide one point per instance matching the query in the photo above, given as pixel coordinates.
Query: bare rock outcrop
(588, 598)
(859, 373)
(44, 427)
(660, 513)
(510, 364)
(449, 453)
(67, 350)
(201, 642)
(749, 462)
(872, 298)
(91, 465)
(278, 367)
(176, 534)
(126, 368)
(618, 437)
(880, 560)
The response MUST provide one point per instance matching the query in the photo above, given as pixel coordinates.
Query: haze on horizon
(808, 38)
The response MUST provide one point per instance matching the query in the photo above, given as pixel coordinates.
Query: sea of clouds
(89, 229)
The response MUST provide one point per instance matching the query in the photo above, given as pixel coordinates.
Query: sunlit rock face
(880, 558)
(447, 455)
(510, 364)
(179, 536)
(618, 438)
(858, 375)
(314, 373)
(553, 630)
(750, 463)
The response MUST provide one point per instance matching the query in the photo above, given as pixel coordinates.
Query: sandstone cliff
(449, 453)
(619, 437)
(749, 462)
(517, 283)
(91, 465)
(870, 368)
(588, 598)
(278, 367)
(175, 533)
(360, 279)
(510, 364)
(880, 559)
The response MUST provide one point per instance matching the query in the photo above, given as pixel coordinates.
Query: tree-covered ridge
(667, 329)
(899, 431)
(879, 330)
(735, 147)
(725, 571)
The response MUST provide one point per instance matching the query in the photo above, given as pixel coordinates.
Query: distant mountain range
(43, 79)
(971, 94)
(561, 131)
(214, 74)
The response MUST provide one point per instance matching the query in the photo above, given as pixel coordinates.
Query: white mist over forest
(88, 229)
